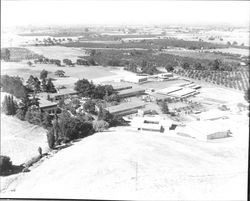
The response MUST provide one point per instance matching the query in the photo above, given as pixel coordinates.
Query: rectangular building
(131, 92)
(125, 108)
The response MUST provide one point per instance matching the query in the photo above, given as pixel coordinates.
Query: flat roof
(159, 96)
(45, 103)
(182, 92)
(63, 92)
(169, 90)
(124, 106)
(117, 85)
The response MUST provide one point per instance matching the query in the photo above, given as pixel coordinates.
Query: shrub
(100, 126)
(51, 138)
(13, 85)
(5, 165)
(9, 106)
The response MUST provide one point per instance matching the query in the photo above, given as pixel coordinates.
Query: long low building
(118, 86)
(184, 92)
(169, 90)
(131, 92)
(205, 130)
(151, 123)
(125, 108)
(47, 106)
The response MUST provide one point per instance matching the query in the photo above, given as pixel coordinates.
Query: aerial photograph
(124, 100)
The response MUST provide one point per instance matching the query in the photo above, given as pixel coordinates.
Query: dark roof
(132, 90)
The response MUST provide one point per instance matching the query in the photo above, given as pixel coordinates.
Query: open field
(168, 166)
(58, 52)
(78, 72)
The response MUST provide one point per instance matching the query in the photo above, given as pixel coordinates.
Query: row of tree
(232, 79)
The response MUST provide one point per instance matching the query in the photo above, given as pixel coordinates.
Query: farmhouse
(125, 108)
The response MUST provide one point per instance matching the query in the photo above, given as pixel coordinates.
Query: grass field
(21, 139)
(145, 165)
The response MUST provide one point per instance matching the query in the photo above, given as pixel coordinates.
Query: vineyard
(238, 80)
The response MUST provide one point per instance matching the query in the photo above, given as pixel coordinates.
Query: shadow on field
(14, 170)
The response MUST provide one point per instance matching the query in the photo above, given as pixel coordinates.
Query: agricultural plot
(238, 80)
(203, 55)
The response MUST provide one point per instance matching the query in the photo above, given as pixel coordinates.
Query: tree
(73, 127)
(29, 63)
(92, 52)
(89, 106)
(112, 98)
(13, 85)
(84, 87)
(51, 138)
(216, 64)
(247, 95)
(5, 165)
(9, 106)
(34, 116)
(100, 126)
(185, 65)
(67, 62)
(91, 62)
(33, 84)
(198, 66)
(43, 74)
(169, 68)
(5, 54)
(44, 85)
(81, 62)
(112, 120)
(50, 86)
(164, 107)
(47, 120)
(60, 73)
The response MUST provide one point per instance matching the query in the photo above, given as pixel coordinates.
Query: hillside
(125, 164)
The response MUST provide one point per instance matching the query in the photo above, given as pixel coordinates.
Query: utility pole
(136, 174)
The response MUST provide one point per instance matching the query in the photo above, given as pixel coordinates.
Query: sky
(119, 12)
